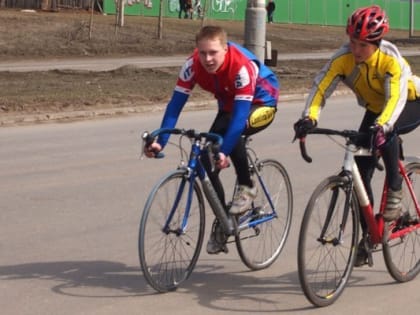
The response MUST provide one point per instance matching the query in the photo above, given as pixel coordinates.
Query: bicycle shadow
(71, 275)
(209, 283)
(213, 287)
(129, 281)
(242, 290)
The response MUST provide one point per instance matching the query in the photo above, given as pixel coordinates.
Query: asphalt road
(71, 197)
(106, 64)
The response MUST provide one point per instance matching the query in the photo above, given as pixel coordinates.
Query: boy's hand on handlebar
(152, 150)
(302, 126)
(223, 161)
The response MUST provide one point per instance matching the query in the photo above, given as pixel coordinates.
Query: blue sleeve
(172, 112)
(237, 125)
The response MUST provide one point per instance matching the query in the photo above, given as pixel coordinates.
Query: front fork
(348, 188)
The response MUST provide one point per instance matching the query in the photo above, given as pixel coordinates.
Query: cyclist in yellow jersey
(384, 85)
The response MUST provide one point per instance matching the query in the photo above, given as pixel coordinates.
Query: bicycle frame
(375, 222)
(244, 221)
(406, 179)
(193, 170)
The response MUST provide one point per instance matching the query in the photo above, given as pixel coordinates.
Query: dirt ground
(65, 34)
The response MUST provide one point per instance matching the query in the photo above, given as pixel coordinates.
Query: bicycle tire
(259, 246)
(324, 267)
(168, 258)
(402, 254)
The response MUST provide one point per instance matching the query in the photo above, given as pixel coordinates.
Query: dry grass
(66, 34)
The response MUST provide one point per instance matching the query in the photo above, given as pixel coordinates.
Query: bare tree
(92, 4)
(160, 20)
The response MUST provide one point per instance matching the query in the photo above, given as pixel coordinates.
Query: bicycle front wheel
(402, 253)
(259, 244)
(328, 241)
(171, 231)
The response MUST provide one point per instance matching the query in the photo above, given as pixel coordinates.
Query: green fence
(319, 12)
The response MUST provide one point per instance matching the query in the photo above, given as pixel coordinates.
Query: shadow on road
(212, 287)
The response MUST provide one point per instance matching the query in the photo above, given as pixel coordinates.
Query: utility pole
(255, 27)
(411, 20)
(120, 13)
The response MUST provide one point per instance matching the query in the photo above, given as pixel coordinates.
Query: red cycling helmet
(368, 24)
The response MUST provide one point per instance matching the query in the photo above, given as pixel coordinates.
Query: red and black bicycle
(329, 234)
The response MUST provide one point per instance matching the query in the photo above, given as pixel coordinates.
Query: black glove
(302, 126)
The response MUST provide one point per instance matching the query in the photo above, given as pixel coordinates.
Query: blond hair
(212, 32)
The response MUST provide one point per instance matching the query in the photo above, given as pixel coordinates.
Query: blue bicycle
(173, 221)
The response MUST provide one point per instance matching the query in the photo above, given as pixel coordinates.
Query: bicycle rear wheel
(402, 254)
(168, 245)
(326, 249)
(259, 244)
